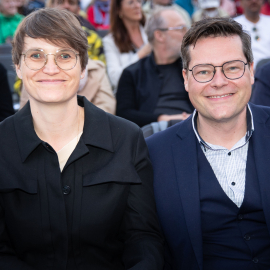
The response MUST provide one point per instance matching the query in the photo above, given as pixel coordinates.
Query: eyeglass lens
(232, 70)
(36, 59)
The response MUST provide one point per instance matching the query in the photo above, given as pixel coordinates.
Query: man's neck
(225, 134)
(252, 17)
(162, 57)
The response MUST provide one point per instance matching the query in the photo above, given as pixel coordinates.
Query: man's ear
(18, 71)
(159, 36)
(185, 76)
(251, 70)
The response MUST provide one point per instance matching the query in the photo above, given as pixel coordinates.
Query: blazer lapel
(261, 142)
(185, 158)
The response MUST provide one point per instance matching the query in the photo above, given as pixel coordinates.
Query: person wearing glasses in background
(75, 182)
(127, 41)
(257, 26)
(211, 171)
(152, 89)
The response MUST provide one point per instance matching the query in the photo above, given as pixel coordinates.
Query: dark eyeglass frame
(41, 50)
(180, 27)
(221, 69)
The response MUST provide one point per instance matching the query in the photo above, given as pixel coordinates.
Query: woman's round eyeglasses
(232, 70)
(36, 59)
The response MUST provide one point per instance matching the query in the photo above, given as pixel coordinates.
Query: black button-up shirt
(99, 213)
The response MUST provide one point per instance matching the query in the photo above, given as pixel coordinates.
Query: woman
(127, 42)
(75, 182)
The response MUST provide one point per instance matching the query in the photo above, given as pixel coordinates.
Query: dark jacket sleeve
(143, 240)
(127, 101)
(8, 258)
(6, 106)
(261, 88)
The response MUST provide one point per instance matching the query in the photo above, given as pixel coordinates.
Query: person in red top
(98, 14)
(266, 8)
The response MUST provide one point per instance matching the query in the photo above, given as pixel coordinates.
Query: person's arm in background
(114, 65)
(127, 106)
(6, 104)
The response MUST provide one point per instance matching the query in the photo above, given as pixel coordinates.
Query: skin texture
(220, 115)
(131, 10)
(50, 84)
(8, 7)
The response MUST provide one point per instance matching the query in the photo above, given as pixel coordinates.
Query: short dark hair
(215, 27)
(60, 27)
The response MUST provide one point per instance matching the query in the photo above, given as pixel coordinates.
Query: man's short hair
(155, 22)
(60, 27)
(215, 27)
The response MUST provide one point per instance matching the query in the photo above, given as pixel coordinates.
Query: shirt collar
(250, 127)
(96, 131)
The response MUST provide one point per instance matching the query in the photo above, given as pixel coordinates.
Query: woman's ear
(18, 71)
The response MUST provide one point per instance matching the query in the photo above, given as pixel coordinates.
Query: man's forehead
(212, 49)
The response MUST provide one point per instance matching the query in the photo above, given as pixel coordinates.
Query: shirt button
(240, 217)
(255, 260)
(66, 190)
(233, 183)
(229, 153)
(247, 237)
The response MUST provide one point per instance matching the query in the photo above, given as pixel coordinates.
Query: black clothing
(99, 213)
(139, 88)
(172, 98)
(6, 105)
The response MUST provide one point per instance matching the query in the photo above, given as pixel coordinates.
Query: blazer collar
(96, 131)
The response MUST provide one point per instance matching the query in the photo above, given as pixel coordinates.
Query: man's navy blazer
(174, 157)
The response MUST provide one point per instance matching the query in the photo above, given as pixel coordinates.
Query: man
(257, 26)
(95, 47)
(152, 89)
(153, 5)
(212, 170)
(9, 20)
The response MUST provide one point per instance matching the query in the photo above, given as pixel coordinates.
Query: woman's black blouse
(99, 213)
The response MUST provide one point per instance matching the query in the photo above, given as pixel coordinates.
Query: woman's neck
(134, 32)
(57, 124)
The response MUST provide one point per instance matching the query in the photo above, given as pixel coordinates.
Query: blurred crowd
(135, 67)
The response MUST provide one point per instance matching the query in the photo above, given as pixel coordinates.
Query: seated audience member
(209, 9)
(153, 5)
(95, 48)
(266, 8)
(6, 106)
(261, 88)
(95, 87)
(152, 89)
(127, 42)
(9, 20)
(21, 7)
(257, 25)
(98, 14)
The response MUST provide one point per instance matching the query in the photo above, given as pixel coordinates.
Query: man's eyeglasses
(36, 59)
(182, 28)
(232, 70)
